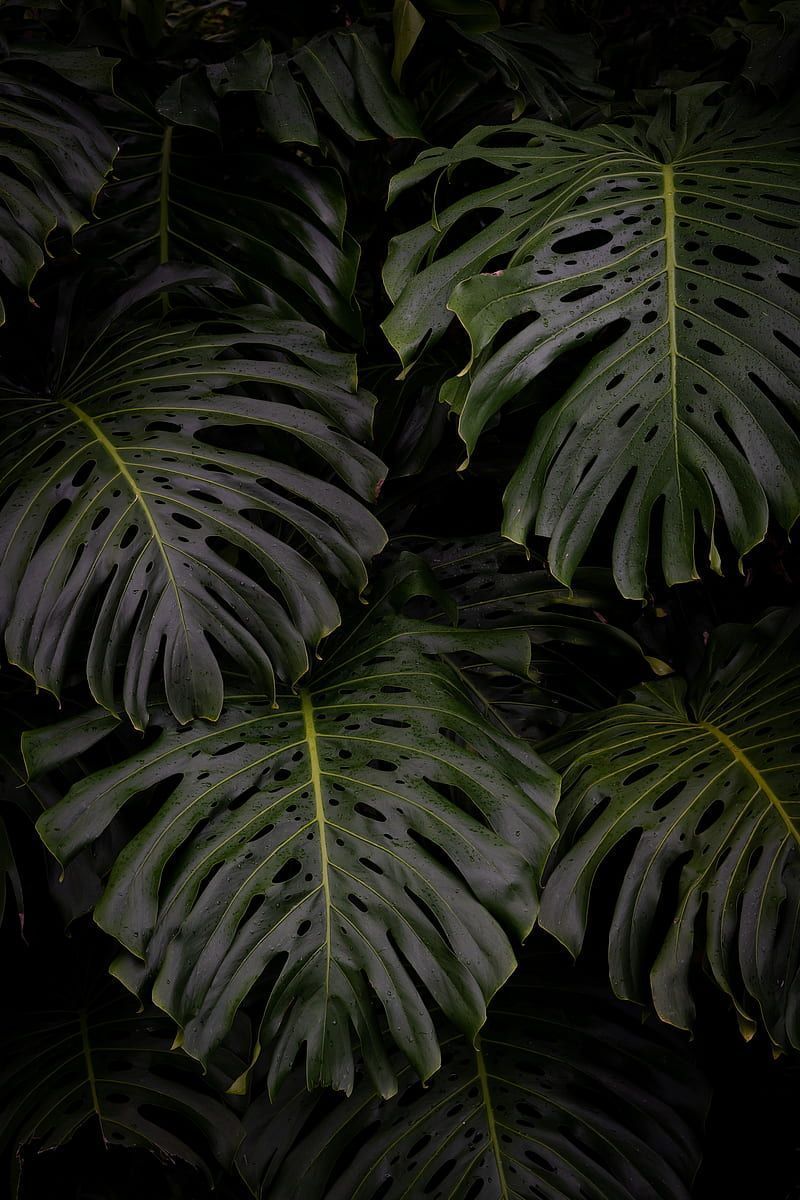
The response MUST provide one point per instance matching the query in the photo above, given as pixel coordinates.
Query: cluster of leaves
(400, 447)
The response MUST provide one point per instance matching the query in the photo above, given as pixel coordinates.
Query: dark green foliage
(526, 1109)
(399, 457)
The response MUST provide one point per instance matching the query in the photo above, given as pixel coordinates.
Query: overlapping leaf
(55, 158)
(494, 588)
(664, 253)
(106, 1064)
(564, 1096)
(541, 68)
(367, 847)
(272, 225)
(535, 66)
(167, 500)
(346, 72)
(772, 39)
(706, 779)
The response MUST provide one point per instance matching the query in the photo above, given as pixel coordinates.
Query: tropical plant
(399, 461)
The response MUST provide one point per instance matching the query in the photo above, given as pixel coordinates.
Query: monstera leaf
(55, 158)
(105, 1064)
(706, 779)
(367, 846)
(167, 497)
(273, 226)
(772, 42)
(662, 255)
(495, 588)
(346, 72)
(540, 67)
(564, 1096)
(535, 65)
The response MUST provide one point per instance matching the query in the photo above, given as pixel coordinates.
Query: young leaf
(346, 71)
(706, 779)
(407, 24)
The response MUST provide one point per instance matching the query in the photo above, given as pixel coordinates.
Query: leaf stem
(87, 1055)
(486, 1097)
(163, 196)
(163, 207)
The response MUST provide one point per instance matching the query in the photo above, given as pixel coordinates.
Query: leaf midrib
(90, 1075)
(124, 472)
(672, 311)
(488, 1107)
(310, 733)
(752, 770)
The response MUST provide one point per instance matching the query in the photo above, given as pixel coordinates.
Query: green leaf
(85, 68)
(471, 16)
(108, 1066)
(125, 522)
(773, 39)
(368, 847)
(664, 253)
(386, 108)
(347, 72)
(284, 109)
(705, 779)
(190, 101)
(275, 227)
(55, 159)
(407, 24)
(331, 81)
(247, 71)
(564, 1096)
(540, 66)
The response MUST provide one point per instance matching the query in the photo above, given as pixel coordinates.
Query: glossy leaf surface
(55, 159)
(131, 520)
(664, 253)
(705, 781)
(370, 845)
(565, 1096)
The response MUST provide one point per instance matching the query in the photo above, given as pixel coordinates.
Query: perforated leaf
(706, 781)
(55, 158)
(565, 1096)
(275, 227)
(64, 1070)
(363, 850)
(168, 497)
(663, 256)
